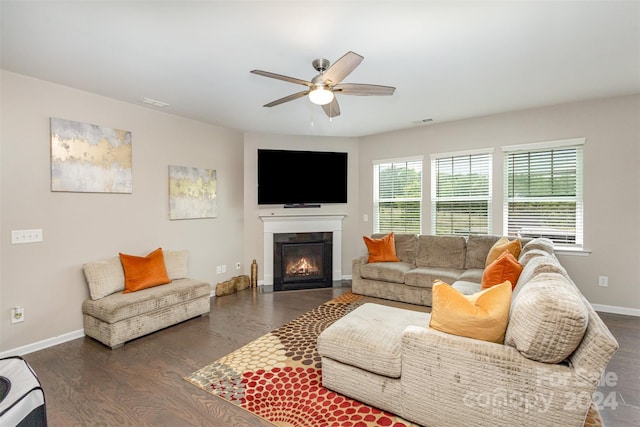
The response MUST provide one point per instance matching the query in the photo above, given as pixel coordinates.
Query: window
(461, 193)
(397, 195)
(543, 191)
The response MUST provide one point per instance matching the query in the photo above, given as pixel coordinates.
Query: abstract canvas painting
(89, 158)
(192, 193)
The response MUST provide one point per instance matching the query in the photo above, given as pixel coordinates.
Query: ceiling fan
(323, 87)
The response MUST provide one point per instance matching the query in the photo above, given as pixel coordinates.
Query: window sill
(572, 252)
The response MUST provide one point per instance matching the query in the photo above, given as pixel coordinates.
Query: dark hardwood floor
(141, 384)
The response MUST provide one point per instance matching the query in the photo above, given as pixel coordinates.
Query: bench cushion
(106, 277)
(119, 306)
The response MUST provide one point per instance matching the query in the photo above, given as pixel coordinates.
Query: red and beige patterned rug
(279, 377)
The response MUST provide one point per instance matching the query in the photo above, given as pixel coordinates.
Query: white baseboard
(41, 345)
(616, 310)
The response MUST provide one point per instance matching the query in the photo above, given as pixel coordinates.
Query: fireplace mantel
(299, 223)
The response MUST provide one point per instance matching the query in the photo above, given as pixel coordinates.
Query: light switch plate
(26, 236)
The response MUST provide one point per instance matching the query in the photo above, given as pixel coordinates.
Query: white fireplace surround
(296, 223)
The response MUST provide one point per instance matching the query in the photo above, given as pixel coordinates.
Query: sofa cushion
(369, 338)
(385, 271)
(104, 277)
(540, 264)
(505, 267)
(423, 277)
(406, 246)
(441, 251)
(177, 264)
(548, 319)
(471, 275)
(478, 247)
(540, 243)
(483, 315)
(504, 244)
(381, 250)
(525, 257)
(466, 288)
(144, 272)
(120, 306)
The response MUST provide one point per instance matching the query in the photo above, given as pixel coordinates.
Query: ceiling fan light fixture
(321, 96)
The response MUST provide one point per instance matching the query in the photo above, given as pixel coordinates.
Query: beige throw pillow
(502, 245)
(104, 277)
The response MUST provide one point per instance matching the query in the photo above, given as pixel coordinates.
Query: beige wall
(253, 232)
(46, 278)
(611, 179)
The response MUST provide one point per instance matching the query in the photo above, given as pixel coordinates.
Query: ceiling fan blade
(287, 99)
(281, 77)
(342, 67)
(363, 89)
(332, 109)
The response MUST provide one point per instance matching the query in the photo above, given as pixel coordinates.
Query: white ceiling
(448, 60)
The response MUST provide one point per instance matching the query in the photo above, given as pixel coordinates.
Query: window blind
(461, 194)
(543, 194)
(398, 196)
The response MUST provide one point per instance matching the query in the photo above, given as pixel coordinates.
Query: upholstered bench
(369, 339)
(113, 316)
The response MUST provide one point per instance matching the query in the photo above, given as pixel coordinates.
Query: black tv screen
(301, 177)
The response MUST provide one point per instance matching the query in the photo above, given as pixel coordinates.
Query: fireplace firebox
(302, 261)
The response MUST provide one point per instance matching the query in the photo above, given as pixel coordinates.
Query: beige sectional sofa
(113, 317)
(556, 348)
(456, 260)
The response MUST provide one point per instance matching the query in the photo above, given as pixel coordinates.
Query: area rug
(278, 377)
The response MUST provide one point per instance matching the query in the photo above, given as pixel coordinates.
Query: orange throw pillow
(144, 272)
(514, 246)
(381, 250)
(481, 316)
(505, 267)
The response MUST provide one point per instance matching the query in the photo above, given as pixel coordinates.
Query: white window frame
(577, 143)
(435, 158)
(376, 191)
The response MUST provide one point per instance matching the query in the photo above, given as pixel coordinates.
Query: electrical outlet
(603, 281)
(219, 269)
(237, 265)
(17, 314)
(224, 268)
(26, 236)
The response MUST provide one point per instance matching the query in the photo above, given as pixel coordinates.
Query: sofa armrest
(452, 380)
(364, 259)
(357, 263)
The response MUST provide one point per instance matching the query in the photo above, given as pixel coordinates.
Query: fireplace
(302, 260)
(275, 223)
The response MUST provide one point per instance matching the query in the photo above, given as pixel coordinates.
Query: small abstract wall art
(192, 193)
(89, 158)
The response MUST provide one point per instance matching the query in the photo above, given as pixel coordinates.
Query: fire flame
(302, 268)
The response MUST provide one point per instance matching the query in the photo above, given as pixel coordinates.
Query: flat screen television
(301, 178)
